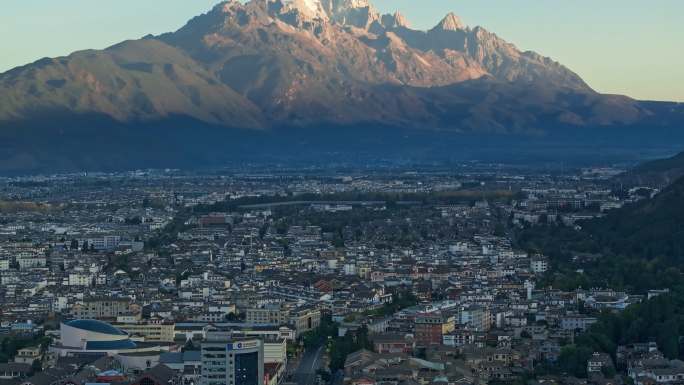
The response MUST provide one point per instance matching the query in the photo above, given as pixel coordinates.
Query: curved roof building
(94, 335)
(95, 326)
(82, 336)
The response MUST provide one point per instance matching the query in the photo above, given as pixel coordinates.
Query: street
(310, 363)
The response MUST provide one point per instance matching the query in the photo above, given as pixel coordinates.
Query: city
(341, 192)
(392, 276)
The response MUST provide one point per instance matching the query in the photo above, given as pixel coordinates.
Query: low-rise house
(393, 343)
(599, 362)
(14, 370)
(28, 355)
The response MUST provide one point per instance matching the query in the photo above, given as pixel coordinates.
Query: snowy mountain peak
(451, 22)
(312, 9)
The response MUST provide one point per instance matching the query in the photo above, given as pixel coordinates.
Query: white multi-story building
(349, 269)
(477, 318)
(27, 260)
(275, 351)
(539, 265)
(60, 303)
(577, 322)
(228, 360)
(80, 279)
(107, 242)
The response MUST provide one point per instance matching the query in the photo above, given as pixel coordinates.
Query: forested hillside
(638, 247)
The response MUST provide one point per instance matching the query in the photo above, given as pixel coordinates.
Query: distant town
(328, 277)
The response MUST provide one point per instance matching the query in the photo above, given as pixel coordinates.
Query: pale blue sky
(632, 47)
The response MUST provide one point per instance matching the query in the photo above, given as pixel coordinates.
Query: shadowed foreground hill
(650, 228)
(638, 247)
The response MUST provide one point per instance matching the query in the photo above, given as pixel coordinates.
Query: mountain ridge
(656, 173)
(295, 63)
(265, 65)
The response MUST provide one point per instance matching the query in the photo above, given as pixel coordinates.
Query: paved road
(310, 363)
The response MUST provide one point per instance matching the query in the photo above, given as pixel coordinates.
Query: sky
(630, 47)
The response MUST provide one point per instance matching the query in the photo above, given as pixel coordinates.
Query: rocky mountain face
(299, 62)
(268, 64)
(298, 59)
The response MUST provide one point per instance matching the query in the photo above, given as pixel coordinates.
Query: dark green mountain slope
(650, 228)
(638, 247)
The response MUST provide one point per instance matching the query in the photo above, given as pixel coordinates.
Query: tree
(133, 221)
(573, 360)
(325, 376)
(235, 317)
(499, 230)
(36, 366)
(608, 371)
(660, 319)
